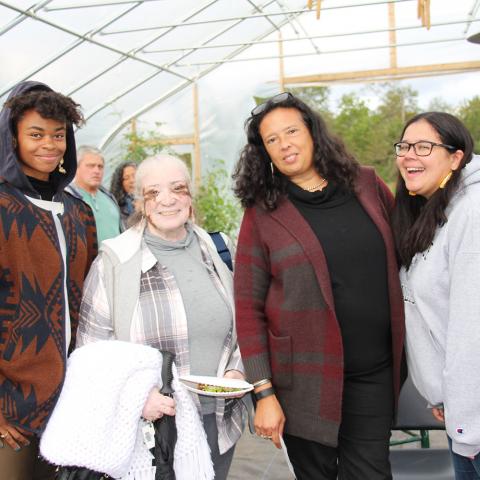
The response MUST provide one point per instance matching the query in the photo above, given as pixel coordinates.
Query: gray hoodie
(442, 308)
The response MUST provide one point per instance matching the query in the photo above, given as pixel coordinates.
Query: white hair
(156, 162)
(85, 150)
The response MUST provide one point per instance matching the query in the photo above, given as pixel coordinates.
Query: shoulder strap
(222, 249)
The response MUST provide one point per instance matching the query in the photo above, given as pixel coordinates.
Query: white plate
(191, 383)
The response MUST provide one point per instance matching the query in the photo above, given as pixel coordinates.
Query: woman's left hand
(237, 375)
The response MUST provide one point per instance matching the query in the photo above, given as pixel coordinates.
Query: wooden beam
(392, 35)
(386, 73)
(197, 166)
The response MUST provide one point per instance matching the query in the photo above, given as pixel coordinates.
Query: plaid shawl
(159, 319)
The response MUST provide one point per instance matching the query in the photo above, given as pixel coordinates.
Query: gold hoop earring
(446, 179)
(60, 167)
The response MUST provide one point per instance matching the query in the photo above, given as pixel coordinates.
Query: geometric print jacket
(32, 301)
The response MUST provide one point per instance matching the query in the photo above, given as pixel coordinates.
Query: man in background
(87, 185)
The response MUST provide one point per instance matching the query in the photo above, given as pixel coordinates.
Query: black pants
(362, 452)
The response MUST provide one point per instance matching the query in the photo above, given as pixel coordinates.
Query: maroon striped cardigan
(286, 322)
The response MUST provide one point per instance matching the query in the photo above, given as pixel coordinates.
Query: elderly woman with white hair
(162, 283)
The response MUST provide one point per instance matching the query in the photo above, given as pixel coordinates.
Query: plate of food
(216, 386)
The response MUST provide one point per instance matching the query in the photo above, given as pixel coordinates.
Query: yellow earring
(60, 167)
(412, 194)
(445, 180)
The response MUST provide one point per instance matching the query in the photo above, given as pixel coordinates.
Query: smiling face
(289, 144)
(423, 175)
(167, 201)
(41, 144)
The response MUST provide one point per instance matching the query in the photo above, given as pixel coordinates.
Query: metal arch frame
(328, 35)
(148, 77)
(138, 49)
(249, 17)
(31, 13)
(90, 5)
(327, 52)
(23, 17)
(83, 38)
(112, 134)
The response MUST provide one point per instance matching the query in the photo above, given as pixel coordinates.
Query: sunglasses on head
(281, 97)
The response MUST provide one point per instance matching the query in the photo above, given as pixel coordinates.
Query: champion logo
(459, 430)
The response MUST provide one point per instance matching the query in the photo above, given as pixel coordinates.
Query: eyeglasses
(281, 97)
(177, 191)
(422, 149)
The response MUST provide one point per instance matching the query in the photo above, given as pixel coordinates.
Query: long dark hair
(415, 219)
(257, 182)
(116, 187)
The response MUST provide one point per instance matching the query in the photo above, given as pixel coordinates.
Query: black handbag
(79, 473)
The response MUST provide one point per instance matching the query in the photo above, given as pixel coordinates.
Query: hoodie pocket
(281, 360)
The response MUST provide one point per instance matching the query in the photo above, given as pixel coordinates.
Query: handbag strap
(222, 249)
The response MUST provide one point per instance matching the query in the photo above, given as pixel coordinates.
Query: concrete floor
(257, 459)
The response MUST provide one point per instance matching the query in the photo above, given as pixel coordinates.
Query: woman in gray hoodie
(437, 227)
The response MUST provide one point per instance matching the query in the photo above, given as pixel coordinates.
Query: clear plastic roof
(148, 59)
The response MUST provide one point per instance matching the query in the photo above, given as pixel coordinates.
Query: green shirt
(107, 215)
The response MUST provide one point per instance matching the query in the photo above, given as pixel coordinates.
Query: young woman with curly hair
(318, 302)
(47, 243)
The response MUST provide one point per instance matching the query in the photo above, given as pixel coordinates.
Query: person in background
(87, 185)
(122, 187)
(318, 300)
(47, 243)
(436, 223)
(172, 292)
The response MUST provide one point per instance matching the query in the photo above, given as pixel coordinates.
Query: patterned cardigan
(286, 322)
(32, 301)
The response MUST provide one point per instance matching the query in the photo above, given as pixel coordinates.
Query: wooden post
(197, 165)
(281, 80)
(392, 35)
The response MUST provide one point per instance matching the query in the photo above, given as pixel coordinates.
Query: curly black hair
(254, 181)
(49, 104)
(116, 187)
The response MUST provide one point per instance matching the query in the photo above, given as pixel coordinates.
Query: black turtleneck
(44, 188)
(356, 259)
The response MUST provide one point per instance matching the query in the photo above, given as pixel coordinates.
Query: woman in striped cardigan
(319, 309)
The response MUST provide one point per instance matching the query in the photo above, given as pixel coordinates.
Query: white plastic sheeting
(138, 59)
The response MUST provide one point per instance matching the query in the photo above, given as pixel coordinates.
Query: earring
(445, 180)
(412, 194)
(60, 167)
(272, 170)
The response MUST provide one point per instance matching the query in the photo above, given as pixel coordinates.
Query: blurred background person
(47, 242)
(172, 292)
(437, 230)
(318, 300)
(122, 187)
(87, 185)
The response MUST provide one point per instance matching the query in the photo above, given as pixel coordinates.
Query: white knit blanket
(96, 422)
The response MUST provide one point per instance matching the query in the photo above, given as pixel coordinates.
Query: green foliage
(469, 113)
(139, 146)
(215, 207)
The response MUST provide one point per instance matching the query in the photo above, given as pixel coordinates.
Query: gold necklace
(316, 187)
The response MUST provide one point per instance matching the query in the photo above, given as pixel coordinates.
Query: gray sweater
(209, 317)
(442, 307)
